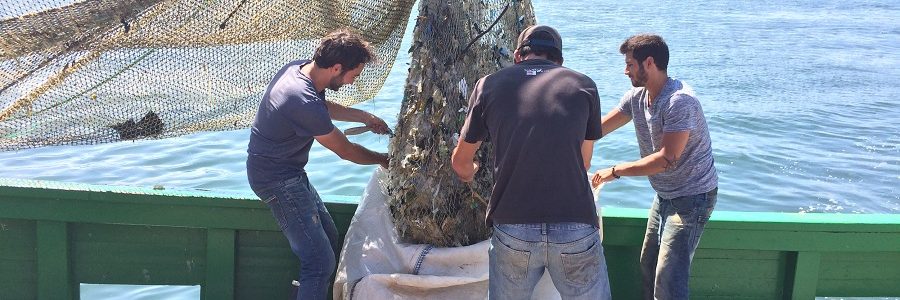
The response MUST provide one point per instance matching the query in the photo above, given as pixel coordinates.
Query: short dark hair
(343, 47)
(642, 46)
(551, 53)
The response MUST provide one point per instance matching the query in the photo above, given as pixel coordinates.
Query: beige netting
(108, 70)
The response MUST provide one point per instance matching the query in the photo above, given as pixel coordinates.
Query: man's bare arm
(673, 144)
(338, 143)
(349, 114)
(463, 160)
(613, 120)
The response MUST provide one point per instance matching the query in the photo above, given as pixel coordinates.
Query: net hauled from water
(89, 72)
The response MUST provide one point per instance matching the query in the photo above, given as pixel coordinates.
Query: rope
(222, 26)
(466, 49)
(475, 194)
(422, 258)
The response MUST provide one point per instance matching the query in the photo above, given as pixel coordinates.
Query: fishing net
(98, 71)
(455, 43)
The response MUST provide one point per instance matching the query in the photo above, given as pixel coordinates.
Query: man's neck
(655, 84)
(317, 75)
(531, 56)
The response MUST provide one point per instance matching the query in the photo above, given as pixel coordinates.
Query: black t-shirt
(537, 114)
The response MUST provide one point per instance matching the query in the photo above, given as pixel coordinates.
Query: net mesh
(98, 71)
(455, 43)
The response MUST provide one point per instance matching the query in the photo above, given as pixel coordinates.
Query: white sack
(375, 265)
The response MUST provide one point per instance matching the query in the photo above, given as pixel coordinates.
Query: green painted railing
(54, 236)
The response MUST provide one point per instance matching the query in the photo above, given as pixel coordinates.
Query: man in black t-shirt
(543, 120)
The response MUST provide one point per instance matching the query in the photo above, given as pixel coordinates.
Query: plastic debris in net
(454, 44)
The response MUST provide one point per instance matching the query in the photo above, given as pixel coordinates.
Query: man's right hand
(463, 160)
(470, 176)
(602, 176)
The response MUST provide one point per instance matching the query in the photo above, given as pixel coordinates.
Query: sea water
(801, 97)
(802, 100)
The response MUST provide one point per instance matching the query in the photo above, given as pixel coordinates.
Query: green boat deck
(54, 236)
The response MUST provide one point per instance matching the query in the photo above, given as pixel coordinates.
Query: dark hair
(642, 46)
(551, 53)
(343, 47)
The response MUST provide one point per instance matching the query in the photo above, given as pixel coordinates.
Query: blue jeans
(673, 233)
(309, 229)
(571, 252)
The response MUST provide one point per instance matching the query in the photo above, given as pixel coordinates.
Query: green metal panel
(18, 259)
(752, 220)
(220, 254)
(53, 261)
(747, 274)
(134, 254)
(622, 267)
(812, 239)
(622, 234)
(140, 236)
(265, 265)
(803, 275)
(861, 274)
(87, 211)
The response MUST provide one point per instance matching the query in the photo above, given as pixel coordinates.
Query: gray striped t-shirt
(675, 109)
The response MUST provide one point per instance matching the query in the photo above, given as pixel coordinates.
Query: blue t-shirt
(675, 109)
(291, 113)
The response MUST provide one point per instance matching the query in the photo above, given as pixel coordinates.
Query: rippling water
(802, 100)
(801, 96)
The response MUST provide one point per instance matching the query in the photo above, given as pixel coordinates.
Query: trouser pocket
(292, 203)
(582, 265)
(511, 262)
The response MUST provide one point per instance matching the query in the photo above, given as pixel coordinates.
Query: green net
(101, 71)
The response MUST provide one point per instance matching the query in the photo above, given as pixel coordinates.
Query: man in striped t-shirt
(676, 155)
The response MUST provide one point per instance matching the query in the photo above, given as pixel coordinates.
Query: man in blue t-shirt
(677, 158)
(292, 114)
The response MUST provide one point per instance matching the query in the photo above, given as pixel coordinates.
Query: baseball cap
(540, 35)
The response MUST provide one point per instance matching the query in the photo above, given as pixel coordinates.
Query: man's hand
(602, 176)
(349, 114)
(469, 176)
(463, 160)
(376, 124)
